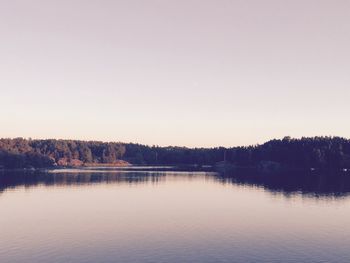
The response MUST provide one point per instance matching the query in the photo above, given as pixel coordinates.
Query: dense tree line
(19, 152)
(305, 153)
(316, 152)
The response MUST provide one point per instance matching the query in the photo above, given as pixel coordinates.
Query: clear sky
(174, 72)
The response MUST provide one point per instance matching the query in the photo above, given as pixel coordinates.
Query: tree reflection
(314, 184)
(13, 179)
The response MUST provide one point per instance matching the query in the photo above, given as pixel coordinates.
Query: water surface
(166, 216)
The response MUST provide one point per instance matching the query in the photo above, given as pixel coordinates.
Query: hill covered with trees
(19, 152)
(304, 153)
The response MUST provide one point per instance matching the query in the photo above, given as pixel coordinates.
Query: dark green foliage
(305, 153)
(21, 160)
(19, 153)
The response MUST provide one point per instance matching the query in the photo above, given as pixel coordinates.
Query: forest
(304, 153)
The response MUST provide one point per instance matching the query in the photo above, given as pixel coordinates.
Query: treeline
(305, 153)
(19, 153)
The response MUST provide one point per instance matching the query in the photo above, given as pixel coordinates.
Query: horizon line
(178, 146)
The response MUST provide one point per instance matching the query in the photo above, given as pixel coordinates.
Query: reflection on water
(72, 177)
(311, 184)
(172, 216)
(307, 183)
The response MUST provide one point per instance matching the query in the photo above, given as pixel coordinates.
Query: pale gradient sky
(172, 72)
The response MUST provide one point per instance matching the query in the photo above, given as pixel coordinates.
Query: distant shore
(119, 163)
(313, 153)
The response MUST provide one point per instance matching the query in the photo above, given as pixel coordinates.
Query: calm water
(163, 216)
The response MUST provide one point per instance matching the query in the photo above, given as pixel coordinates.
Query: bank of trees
(316, 152)
(20, 152)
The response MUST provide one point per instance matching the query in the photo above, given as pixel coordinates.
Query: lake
(165, 215)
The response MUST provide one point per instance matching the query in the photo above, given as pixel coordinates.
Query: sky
(196, 73)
